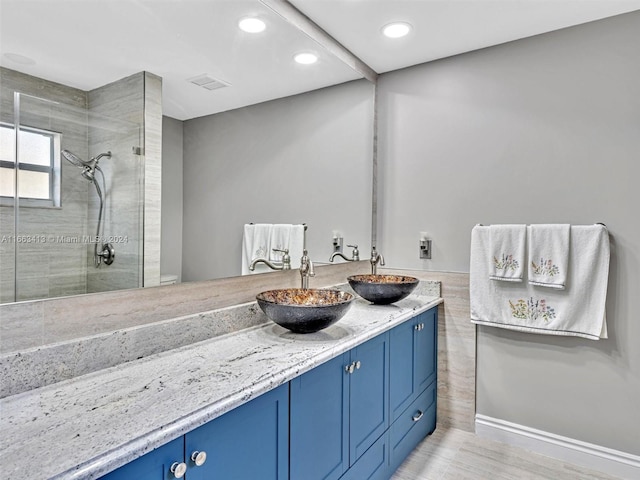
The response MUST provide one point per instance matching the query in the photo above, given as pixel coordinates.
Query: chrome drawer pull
(417, 416)
(350, 368)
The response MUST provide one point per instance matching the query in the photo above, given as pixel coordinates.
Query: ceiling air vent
(208, 82)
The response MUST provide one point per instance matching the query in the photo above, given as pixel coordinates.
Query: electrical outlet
(425, 249)
(337, 244)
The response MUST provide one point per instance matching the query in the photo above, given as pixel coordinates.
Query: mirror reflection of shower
(89, 168)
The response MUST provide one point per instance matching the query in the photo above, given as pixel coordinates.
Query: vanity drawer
(415, 423)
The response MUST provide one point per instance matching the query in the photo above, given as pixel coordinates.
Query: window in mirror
(38, 168)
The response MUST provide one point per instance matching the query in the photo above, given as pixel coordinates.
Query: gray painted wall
(545, 129)
(171, 251)
(305, 158)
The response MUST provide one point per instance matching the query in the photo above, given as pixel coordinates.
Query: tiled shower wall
(53, 268)
(121, 100)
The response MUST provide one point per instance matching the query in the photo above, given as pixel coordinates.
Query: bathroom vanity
(350, 401)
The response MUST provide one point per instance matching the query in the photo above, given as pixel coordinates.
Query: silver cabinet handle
(417, 327)
(417, 416)
(353, 366)
(422, 326)
(199, 458)
(178, 469)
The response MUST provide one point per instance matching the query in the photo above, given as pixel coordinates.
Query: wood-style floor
(453, 454)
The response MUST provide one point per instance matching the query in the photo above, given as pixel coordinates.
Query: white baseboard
(596, 457)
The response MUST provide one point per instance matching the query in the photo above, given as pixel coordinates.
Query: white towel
(507, 252)
(296, 245)
(280, 238)
(548, 255)
(256, 244)
(578, 310)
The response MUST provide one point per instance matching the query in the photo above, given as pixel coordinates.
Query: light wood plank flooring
(453, 454)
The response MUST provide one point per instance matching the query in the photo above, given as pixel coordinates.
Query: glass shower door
(78, 205)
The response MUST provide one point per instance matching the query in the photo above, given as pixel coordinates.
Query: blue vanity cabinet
(368, 388)
(426, 350)
(354, 417)
(338, 411)
(319, 422)
(413, 360)
(152, 466)
(413, 388)
(249, 442)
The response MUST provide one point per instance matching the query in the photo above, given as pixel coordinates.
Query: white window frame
(53, 170)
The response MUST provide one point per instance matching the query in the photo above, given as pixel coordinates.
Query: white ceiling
(442, 28)
(88, 43)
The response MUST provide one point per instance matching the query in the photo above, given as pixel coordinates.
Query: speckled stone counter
(85, 427)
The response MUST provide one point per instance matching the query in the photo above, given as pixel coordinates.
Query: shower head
(73, 158)
(88, 167)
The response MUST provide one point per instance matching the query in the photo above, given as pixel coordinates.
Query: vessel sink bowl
(304, 311)
(383, 289)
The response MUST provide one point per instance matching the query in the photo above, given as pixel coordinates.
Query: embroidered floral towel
(549, 255)
(507, 252)
(578, 310)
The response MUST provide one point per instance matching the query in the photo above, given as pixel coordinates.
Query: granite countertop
(85, 427)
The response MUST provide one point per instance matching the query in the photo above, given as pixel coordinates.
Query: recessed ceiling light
(396, 29)
(252, 25)
(306, 58)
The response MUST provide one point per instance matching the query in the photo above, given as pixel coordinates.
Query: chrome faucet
(375, 259)
(286, 261)
(355, 254)
(306, 270)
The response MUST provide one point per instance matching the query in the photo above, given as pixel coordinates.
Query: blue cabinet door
(413, 360)
(154, 465)
(402, 390)
(368, 403)
(249, 442)
(426, 349)
(319, 435)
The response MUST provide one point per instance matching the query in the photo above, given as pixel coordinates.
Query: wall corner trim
(596, 457)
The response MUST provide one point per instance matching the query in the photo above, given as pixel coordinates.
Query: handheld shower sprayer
(89, 167)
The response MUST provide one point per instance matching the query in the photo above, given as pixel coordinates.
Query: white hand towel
(255, 244)
(549, 255)
(280, 237)
(296, 245)
(507, 252)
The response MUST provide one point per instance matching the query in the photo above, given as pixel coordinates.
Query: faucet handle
(355, 254)
(286, 259)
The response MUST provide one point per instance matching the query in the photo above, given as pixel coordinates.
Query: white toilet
(168, 279)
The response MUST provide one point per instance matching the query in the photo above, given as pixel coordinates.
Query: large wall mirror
(249, 136)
